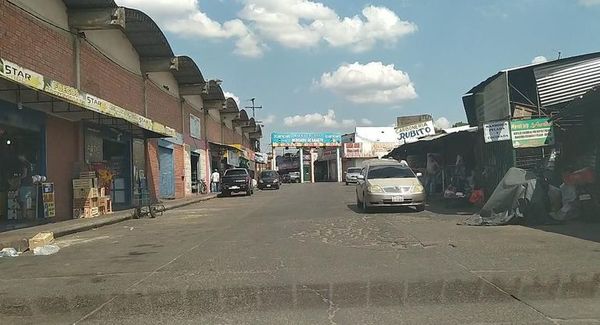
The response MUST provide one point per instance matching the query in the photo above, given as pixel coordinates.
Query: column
(339, 164)
(274, 159)
(301, 165)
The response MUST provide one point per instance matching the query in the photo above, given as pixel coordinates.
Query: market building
(522, 114)
(87, 86)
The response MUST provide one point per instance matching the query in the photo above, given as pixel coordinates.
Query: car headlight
(275, 181)
(261, 181)
(418, 188)
(375, 189)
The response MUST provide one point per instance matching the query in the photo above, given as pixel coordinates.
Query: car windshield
(376, 172)
(234, 172)
(354, 170)
(269, 174)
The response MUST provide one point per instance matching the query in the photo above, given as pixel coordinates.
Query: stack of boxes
(88, 199)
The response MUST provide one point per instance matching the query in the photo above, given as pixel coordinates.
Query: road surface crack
(332, 310)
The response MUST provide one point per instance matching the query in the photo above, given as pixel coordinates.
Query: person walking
(215, 177)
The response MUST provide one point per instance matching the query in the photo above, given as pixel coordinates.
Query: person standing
(433, 169)
(215, 177)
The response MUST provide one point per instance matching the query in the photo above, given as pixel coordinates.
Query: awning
(100, 109)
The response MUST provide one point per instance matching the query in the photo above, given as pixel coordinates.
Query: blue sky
(279, 50)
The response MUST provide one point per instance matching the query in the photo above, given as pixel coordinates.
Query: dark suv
(269, 179)
(236, 180)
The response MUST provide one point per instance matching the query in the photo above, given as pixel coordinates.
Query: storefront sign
(496, 131)
(195, 131)
(233, 158)
(298, 139)
(531, 133)
(415, 131)
(21, 75)
(352, 150)
(31, 79)
(261, 158)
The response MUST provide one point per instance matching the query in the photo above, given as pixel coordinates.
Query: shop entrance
(165, 161)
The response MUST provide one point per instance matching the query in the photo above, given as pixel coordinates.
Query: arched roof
(252, 122)
(214, 91)
(147, 39)
(243, 115)
(231, 106)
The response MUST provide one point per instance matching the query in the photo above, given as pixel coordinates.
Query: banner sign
(233, 158)
(31, 79)
(261, 158)
(195, 127)
(352, 150)
(300, 139)
(496, 131)
(532, 133)
(415, 131)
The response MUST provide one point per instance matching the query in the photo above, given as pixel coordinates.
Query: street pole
(253, 107)
(301, 165)
(273, 159)
(312, 165)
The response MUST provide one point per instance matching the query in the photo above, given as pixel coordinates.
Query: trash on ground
(9, 252)
(46, 250)
(41, 239)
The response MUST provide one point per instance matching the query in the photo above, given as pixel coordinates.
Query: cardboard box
(41, 239)
(85, 193)
(88, 174)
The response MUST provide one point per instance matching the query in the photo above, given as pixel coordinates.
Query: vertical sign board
(195, 128)
(531, 133)
(496, 131)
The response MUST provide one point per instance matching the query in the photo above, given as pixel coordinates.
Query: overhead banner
(532, 133)
(300, 139)
(31, 79)
(415, 131)
(496, 131)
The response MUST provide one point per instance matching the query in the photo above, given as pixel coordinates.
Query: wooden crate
(85, 182)
(85, 193)
(88, 174)
(41, 239)
(85, 203)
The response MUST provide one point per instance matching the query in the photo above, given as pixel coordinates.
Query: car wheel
(225, 193)
(420, 207)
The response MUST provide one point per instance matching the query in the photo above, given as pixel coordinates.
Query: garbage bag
(9, 252)
(46, 250)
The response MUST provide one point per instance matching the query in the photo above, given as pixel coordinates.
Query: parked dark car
(285, 178)
(269, 179)
(236, 180)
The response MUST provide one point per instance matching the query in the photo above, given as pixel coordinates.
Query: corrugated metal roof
(188, 73)
(243, 115)
(562, 82)
(89, 4)
(145, 35)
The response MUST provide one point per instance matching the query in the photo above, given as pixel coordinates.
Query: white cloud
(442, 123)
(589, 3)
(365, 121)
(270, 119)
(539, 59)
(232, 95)
(372, 83)
(185, 18)
(318, 120)
(306, 23)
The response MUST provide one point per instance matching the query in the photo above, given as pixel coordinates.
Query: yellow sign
(21, 75)
(18, 74)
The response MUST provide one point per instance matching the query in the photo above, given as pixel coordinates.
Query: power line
(253, 107)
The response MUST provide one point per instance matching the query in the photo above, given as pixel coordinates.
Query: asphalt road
(305, 255)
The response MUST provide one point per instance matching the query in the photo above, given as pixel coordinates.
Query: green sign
(532, 133)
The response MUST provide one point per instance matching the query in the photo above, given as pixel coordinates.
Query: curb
(20, 243)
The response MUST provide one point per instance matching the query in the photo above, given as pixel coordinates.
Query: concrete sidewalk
(18, 238)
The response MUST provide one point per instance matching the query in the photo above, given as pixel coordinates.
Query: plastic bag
(46, 250)
(9, 252)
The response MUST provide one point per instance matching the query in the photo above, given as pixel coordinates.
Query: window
(390, 172)
(354, 170)
(233, 172)
(269, 174)
(195, 128)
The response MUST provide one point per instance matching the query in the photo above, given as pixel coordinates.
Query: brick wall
(179, 172)
(213, 130)
(163, 107)
(35, 45)
(193, 142)
(152, 170)
(228, 135)
(107, 80)
(62, 153)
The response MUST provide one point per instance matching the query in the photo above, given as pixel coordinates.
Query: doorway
(165, 165)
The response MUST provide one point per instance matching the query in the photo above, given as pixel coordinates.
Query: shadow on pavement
(439, 205)
(581, 230)
(377, 210)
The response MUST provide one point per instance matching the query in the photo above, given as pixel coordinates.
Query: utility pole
(253, 107)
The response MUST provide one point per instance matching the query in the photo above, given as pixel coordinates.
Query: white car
(352, 174)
